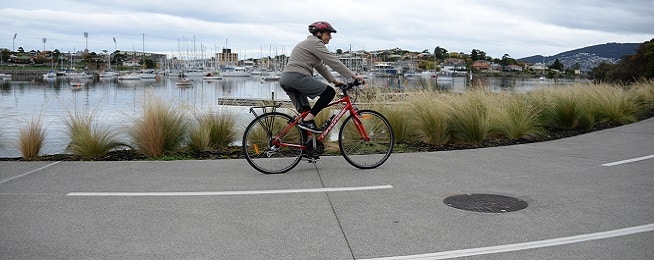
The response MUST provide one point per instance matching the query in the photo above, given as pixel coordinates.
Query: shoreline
(234, 152)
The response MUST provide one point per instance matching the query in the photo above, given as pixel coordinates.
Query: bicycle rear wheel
(366, 154)
(258, 146)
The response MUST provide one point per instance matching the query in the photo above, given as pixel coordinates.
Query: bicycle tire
(366, 154)
(259, 151)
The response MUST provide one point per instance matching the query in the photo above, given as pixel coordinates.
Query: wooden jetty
(251, 102)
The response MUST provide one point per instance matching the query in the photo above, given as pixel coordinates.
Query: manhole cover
(485, 203)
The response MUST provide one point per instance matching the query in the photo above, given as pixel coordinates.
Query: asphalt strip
(525, 245)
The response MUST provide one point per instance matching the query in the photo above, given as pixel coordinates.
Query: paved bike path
(223, 209)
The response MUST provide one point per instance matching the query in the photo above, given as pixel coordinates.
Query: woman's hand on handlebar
(360, 79)
(337, 83)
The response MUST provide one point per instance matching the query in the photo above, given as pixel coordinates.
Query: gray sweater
(310, 54)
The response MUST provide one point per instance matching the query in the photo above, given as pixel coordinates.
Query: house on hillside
(453, 64)
(513, 68)
(134, 62)
(481, 65)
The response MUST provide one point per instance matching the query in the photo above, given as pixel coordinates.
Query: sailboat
(108, 74)
(235, 72)
(213, 73)
(50, 75)
(542, 72)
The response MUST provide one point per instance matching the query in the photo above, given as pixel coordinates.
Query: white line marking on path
(32, 171)
(527, 245)
(628, 161)
(224, 193)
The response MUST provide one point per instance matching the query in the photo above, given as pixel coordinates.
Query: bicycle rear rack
(265, 108)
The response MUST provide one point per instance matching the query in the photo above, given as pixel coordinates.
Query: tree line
(631, 68)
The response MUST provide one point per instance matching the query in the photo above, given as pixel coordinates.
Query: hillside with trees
(589, 57)
(630, 68)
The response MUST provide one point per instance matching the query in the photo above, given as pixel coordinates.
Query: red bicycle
(273, 142)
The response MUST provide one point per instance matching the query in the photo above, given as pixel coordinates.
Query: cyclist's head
(321, 26)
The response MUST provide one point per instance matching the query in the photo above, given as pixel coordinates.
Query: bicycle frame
(348, 107)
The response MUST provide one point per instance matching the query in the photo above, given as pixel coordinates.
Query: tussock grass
(212, 131)
(469, 121)
(401, 123)
(430, 113)
(161, 128)
(88, 138)
(513, 117)
(391, 104)
(564, 108)
(31, 139)
(643, 94)
(584, 105)
(199, 138)
(430, 117)
(613, 104)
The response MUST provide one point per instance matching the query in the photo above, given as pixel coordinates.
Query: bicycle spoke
(258, 147)
(366, 154)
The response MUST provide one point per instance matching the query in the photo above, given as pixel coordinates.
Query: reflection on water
(116, 103)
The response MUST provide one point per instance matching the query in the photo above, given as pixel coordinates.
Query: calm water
(116, 104)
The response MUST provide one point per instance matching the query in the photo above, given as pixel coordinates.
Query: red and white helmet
(321, 26)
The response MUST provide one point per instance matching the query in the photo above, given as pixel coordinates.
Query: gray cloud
(497, 27)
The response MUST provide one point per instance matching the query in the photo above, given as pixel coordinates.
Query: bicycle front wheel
(359, 152)
(262, 153)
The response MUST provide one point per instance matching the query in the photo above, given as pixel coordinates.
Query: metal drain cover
(489, 203)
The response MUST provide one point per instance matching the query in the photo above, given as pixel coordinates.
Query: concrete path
(590, 197)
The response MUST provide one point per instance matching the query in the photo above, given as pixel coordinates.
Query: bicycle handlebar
(350, 85)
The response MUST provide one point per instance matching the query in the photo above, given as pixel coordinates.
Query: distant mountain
(588, 57)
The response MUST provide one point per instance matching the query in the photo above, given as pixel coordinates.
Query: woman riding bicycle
(297, 78)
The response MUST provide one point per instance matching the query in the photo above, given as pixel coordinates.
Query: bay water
(116, 104)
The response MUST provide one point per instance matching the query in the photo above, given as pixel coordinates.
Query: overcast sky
(256, 28)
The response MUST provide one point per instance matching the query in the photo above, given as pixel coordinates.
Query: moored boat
(184, 82)
(271, 76)
(235, 72)
(130, 76)
(50, 75)
(4, 77)
(79, 75)
(76, 84)
(212, 75)
(108, 75)
(148, 74)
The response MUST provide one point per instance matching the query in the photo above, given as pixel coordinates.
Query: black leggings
(324, 99)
